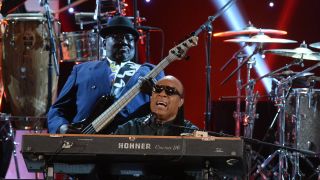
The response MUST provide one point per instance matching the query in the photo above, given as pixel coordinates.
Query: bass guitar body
(102, 104)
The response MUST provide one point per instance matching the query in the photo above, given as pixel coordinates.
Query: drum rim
(303, 90)
(76, 33)
(9, 116)
(25, 16)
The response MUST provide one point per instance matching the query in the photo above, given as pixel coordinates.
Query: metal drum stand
(281, 104)
(251, 101)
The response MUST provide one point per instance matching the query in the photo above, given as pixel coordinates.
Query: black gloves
(147, 85)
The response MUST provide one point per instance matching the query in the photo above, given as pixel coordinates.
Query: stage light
(235, 21)
(147, 1)
(71, 10)
(271, 4)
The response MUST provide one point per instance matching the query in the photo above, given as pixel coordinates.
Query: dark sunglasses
(128, 37)
(170, 91)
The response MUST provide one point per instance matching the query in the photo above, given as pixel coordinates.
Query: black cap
(119, 24)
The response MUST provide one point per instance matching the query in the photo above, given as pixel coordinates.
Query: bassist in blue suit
(114, 75)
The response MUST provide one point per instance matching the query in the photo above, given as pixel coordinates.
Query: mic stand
(208, 76)
(212, 18)
(135, 24)
(146, 34)
(207, 26)
(97, 17)
(52, 53)
(148, 46)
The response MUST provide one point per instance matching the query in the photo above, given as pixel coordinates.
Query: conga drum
(25, 66)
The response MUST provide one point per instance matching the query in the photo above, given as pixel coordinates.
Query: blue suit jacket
(87, 83)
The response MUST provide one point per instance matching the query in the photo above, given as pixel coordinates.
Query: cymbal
(260, 38)
(299, 81)
(298, 53)
(315, 45)
(250, 30)
(290, 73)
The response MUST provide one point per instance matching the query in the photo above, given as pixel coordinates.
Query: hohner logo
(134, 146)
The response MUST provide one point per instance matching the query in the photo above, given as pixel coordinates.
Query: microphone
(148, 28)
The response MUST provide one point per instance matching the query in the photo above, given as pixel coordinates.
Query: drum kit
(298, 113)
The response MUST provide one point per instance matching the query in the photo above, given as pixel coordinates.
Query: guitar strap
(123, 76)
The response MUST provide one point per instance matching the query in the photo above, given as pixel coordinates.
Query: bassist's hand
(68, 129)
(147, 85)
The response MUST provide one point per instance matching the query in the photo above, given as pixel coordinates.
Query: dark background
(179, 18)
